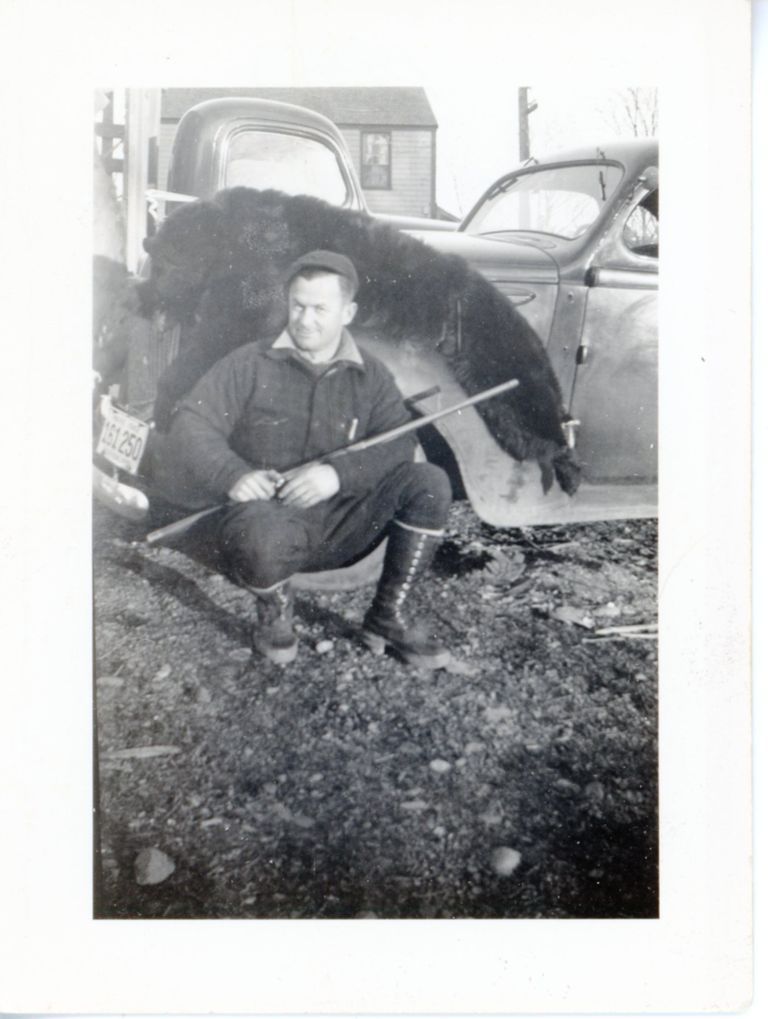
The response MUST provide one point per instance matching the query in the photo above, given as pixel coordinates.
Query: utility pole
(524, 108)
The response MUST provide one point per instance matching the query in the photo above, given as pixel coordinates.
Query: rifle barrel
(419, 422)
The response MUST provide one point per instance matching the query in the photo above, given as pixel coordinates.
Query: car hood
(498, 261)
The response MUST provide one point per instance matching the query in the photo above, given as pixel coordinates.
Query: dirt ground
(520, 782)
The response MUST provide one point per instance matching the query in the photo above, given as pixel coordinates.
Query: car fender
(504, 492)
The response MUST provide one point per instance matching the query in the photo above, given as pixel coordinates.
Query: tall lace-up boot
(409, 554)
(272, 634)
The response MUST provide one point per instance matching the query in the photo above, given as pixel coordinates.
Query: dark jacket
(264, 406)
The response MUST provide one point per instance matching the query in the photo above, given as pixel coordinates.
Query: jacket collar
(347, 351)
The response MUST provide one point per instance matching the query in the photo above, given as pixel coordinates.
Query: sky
(477, 136)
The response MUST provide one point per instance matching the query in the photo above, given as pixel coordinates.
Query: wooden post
(142, 128)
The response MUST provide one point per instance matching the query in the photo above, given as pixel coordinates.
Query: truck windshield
(288, 162)
(562, 201)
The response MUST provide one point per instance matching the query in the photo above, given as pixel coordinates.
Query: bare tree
(635, 111)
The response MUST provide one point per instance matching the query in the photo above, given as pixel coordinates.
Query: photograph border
(698, 956)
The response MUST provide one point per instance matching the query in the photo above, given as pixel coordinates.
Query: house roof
(346, 107)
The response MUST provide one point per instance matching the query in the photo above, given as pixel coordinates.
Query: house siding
(411, 172)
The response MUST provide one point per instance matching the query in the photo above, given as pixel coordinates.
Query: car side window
(641, 230)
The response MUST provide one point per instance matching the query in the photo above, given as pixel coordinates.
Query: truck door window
(290, 163)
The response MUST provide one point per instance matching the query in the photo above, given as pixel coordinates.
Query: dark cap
(331, 261)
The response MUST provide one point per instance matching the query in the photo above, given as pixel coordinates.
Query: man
(271, 406)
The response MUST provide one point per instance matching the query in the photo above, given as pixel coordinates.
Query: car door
(614, 394)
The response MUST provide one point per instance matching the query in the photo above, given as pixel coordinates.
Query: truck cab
(223, 143)
(263, 143)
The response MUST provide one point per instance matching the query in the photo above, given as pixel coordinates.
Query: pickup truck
(571, 241)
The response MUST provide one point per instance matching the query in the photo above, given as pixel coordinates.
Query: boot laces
(407, 582)
(283, 602)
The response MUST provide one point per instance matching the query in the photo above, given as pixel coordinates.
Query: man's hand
(310, 486)
(255, 485)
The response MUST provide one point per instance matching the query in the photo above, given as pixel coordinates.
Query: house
(390, 133)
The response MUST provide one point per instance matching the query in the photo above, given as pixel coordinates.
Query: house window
(376, 159)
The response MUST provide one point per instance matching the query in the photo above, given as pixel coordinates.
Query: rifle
(183, 525)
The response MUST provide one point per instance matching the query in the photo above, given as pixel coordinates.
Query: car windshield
(562, 201)
(288, 162)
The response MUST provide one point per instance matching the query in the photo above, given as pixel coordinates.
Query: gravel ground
(520, 782)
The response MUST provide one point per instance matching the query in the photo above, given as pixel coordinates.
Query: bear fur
(218, 268)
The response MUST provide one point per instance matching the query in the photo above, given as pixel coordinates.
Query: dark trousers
(265, 542)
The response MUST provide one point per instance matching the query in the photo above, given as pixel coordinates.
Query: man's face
(317, 314)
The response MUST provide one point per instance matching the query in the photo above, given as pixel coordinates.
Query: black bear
(217, 268)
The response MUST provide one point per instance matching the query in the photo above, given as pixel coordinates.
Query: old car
(571, 241)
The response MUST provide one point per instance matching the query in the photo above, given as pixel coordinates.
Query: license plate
(123, 438)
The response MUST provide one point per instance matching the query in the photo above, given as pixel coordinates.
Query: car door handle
(518, 297)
